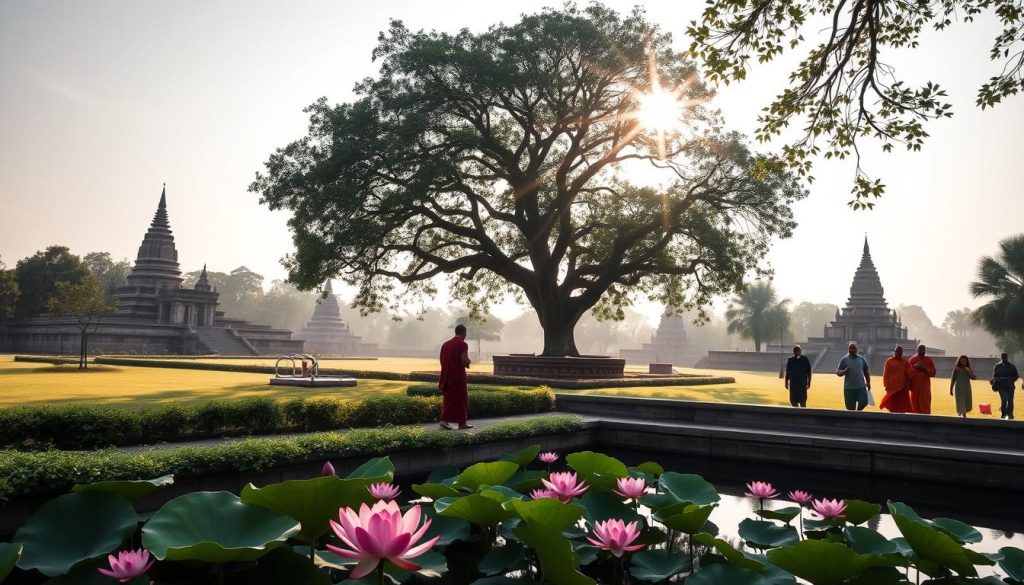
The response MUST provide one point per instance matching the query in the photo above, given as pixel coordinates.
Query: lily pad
(523, 457)
(9, 555)
(485, 474)
(131, 489)
(447, 529)
(435, 491)
(73, 528)
(525, 480)
(691, 520)
(280, 566)
(731, 554)
(869, 542)
(555, 554)
(601, 506)
(688, 487)
(547, 512)
(649, 468)
(962, 533)
(786, 514)
(655, 565)
(859, 511)
(502, 559)
(1012, 562)
(931, 544)
(215, 527)
(375, 469)
(311, 501)
(475, 508)
(599, 470)
(822, 563)
(763, 534)
(718, 573)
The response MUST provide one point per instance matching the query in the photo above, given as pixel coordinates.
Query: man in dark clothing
(798, 378)
(1004, 375)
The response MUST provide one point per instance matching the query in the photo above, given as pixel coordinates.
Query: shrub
(47, 471)
(90, 427)
(433, 390)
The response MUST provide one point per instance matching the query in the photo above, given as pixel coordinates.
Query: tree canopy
(87, 302)
(503, 159)
(39, 274)
(8, 292)
(111, 274)
(1001, 282)
(843, 90)
(757, 314)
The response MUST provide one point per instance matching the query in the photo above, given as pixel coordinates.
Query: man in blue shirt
(857, 382)
(1004, 374)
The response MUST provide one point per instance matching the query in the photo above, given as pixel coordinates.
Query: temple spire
(160, 218)
(204, 282)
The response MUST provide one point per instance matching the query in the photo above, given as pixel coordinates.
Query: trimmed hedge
(90, 427)
(251, 369)
(47, 471)
(433, 390)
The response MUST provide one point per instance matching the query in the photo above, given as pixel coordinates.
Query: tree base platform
(571, 368)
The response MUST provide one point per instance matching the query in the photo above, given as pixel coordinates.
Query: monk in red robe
(896, 379)
(923, 369)
(453, 382)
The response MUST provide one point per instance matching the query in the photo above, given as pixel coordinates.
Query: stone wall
(750, 361)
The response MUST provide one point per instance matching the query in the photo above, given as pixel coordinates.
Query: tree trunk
(559, 334)
(757, 344)
(81, 352)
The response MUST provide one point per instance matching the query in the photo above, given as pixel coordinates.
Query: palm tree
(960, 324)
(758, 314)
(1001, 280)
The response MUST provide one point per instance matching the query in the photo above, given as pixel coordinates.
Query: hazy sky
(102, 101)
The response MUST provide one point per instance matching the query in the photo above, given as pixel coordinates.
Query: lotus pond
(528, 518)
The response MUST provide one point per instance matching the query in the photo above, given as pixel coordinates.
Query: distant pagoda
(866, 319)
(327, 334)
(669, 345)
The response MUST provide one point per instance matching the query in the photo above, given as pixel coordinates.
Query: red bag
(984, 408)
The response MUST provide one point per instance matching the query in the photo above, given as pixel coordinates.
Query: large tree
(8, 292)
(757, 314)
(809, 319)
(503, 159)
(111, 273)
(481, 328)
(843, 90)
(87, 302)
(39, 274)
(1001, 282)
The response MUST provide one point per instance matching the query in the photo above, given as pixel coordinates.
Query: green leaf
(525, 480)
(821, 562)
(432, 564)
(280, 566)
(649, 468)
(502, 580)
(485, 474)
(728, 551)
(502, 559)
(128, 489)
(605, 506)
(931, 544)
(547, 512)
(961, 532)
(786, 514)
(435, 491)
(597, 469)
(523, 457)
(880, 576)
(475, 508)
(215, 527)
(655, 565)
(869, 542)
(1012, 562)
(687, 487)
(375, 469)
(555, 554)
(691, 520)
(448, 529)
(763, 534)
(74, 528)
(502, 493)
(9, 555)
(719, 574)
(313, 502)
(443, 474)
(859, 511)
(87, 574)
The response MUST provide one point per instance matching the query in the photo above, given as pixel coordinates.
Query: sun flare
(659, 110)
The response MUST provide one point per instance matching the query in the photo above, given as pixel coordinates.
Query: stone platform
(576, 368)
(314, 382)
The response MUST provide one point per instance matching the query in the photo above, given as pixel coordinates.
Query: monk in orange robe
(896, 379)
(921, 381)
(453, 382)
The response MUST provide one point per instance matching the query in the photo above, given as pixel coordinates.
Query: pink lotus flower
(548, 457)
(380, 533)
(128, 564)
(615, 536)
(383, 491)
(541, 493)
(630, 488)
(327, 469)
(564, 485)
(800, 497)
(761, 490)
(830, 509)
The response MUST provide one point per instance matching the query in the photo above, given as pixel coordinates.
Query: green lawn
(23, 384)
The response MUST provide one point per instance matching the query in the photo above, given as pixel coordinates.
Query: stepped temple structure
(156, 314)
(669, 345)
(866, 319)
(327, 335)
